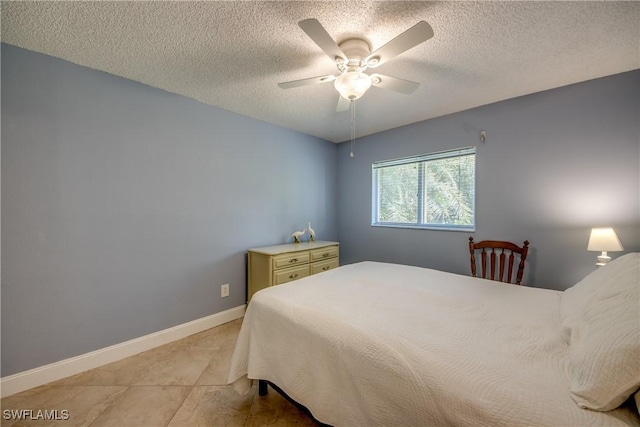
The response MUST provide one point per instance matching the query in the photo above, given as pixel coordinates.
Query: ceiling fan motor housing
(356, 51)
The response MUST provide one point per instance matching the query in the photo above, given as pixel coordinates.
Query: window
(430, 191)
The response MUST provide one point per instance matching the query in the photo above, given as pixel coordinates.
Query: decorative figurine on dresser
(275, 265)
(297, 235)
(312, 233)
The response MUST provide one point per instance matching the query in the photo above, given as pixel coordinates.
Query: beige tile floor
(177, 385)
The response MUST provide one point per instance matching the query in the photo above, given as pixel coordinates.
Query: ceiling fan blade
(307, 82)
(318, 34)
(343, 104)
(399, 85)
(415, 35)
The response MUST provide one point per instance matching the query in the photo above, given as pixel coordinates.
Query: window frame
(420, 160)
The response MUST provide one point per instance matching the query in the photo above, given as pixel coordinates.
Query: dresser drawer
(324, 253)
(290, 259)
(320, 266)
(289, 274)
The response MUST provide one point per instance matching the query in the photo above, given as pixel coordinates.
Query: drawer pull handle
(293, 276)
(293, 260)
(325, 268)
(326, 254)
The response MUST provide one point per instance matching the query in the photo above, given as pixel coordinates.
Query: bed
(378, 344)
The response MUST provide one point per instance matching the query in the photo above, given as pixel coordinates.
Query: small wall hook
(483, 136)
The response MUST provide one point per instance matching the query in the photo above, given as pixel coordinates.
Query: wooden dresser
(275, 265)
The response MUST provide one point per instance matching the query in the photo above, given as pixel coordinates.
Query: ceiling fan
(354, 56)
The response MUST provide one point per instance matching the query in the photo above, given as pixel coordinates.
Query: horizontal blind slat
(425, 157)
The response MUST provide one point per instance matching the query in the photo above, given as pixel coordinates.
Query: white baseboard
(55, 371)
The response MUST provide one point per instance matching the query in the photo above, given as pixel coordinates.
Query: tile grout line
(192, 387)
(180, 406)
(253, 401)
(108, 406)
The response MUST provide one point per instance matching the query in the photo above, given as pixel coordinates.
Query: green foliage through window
(432, 191)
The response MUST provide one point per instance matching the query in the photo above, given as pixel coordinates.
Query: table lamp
(604, 239)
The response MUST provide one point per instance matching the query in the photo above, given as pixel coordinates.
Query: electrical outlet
(224, 291)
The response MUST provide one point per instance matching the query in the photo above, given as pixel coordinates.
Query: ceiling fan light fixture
(352, 84)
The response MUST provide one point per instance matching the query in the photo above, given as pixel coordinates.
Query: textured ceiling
(232, 54)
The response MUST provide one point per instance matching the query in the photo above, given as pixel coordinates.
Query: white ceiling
(232, 54)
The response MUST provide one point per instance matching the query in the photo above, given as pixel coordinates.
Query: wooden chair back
(506, 256)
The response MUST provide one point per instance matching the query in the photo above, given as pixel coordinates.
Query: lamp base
(603, 259)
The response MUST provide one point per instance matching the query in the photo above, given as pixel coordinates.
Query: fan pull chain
(353, 126)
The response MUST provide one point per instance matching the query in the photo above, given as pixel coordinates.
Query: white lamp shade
(604, 239)
(352, 84)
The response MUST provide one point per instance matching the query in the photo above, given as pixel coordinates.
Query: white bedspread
(383, 344)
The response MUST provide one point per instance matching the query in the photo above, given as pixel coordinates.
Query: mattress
(384, 344)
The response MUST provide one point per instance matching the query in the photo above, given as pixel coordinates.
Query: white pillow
(575, 298)
(604, 348)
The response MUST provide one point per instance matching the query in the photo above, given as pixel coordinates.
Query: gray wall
(554, 165)
(124, 207)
